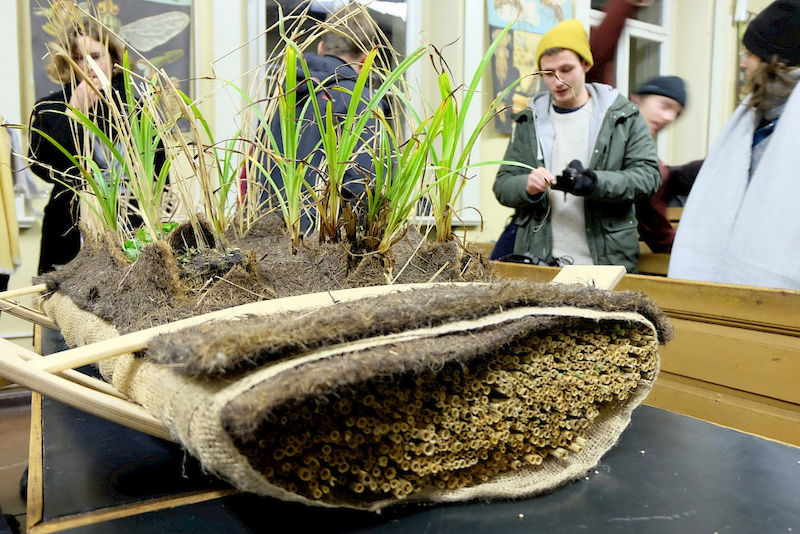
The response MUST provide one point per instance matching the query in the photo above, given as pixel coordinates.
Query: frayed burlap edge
(190, 408)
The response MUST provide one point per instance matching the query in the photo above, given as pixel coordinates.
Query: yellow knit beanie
(567, 34)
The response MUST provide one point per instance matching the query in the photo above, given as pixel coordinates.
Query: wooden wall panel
(735, 409)
(759, 362)
(755, 308)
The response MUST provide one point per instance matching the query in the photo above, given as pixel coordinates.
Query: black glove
(576, 180)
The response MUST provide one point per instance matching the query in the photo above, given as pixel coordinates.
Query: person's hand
(576, 180)
(83, 97)
(539, 180)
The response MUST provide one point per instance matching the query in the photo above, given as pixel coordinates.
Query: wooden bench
(735, 359)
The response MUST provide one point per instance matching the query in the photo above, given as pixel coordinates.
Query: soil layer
(171, 280)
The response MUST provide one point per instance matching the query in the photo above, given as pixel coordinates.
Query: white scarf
(736, 232)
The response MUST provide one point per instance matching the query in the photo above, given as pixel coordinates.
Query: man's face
(658, 111)
(567, 81)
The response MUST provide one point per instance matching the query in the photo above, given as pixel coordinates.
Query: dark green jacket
(624, 158)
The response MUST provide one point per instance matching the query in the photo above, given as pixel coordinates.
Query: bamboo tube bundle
(448, 393)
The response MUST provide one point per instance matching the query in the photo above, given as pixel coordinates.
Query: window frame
(658, 33)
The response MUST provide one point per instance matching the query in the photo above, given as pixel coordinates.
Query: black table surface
(667, 473)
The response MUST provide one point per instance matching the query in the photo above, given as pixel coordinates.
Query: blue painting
(534, 16)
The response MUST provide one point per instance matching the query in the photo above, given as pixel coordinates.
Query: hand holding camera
(576, 180)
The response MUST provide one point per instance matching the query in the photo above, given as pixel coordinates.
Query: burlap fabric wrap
(191, 408)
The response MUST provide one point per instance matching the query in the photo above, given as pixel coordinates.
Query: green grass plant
(128, 150)
(451, 160)
(99, 188)
(342, 137)
(398, 188)
(282, 151)
(292, 165)
(141, 150)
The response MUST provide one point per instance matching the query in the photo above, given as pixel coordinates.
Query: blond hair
(59, 68)
(351, 33)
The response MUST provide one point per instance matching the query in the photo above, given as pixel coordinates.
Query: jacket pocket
(621, 241)
(531, 233)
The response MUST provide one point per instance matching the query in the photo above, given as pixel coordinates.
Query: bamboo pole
(34, 505)
(78, 396)
(22, 291)
(74, 376)
(23, 312)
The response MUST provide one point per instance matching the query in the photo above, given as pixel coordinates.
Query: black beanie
(669, 86)
(776, 32)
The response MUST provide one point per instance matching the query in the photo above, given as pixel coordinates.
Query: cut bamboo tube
(94, 402)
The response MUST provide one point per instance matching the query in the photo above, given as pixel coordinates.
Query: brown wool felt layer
(112, 288)
(225, 347)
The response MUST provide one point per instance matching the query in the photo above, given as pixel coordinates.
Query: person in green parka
(597, 142)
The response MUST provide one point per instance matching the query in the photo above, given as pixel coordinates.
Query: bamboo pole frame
(80, 396)
(23, 312)
(69, 374)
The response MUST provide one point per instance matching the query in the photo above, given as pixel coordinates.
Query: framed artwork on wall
(516, 55)
(159, 30)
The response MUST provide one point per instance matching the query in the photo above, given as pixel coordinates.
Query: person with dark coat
(336, 65)
(661, 100)
(61, 239)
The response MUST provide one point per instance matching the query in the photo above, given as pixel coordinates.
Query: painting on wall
(159, 30)
(515, 56)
